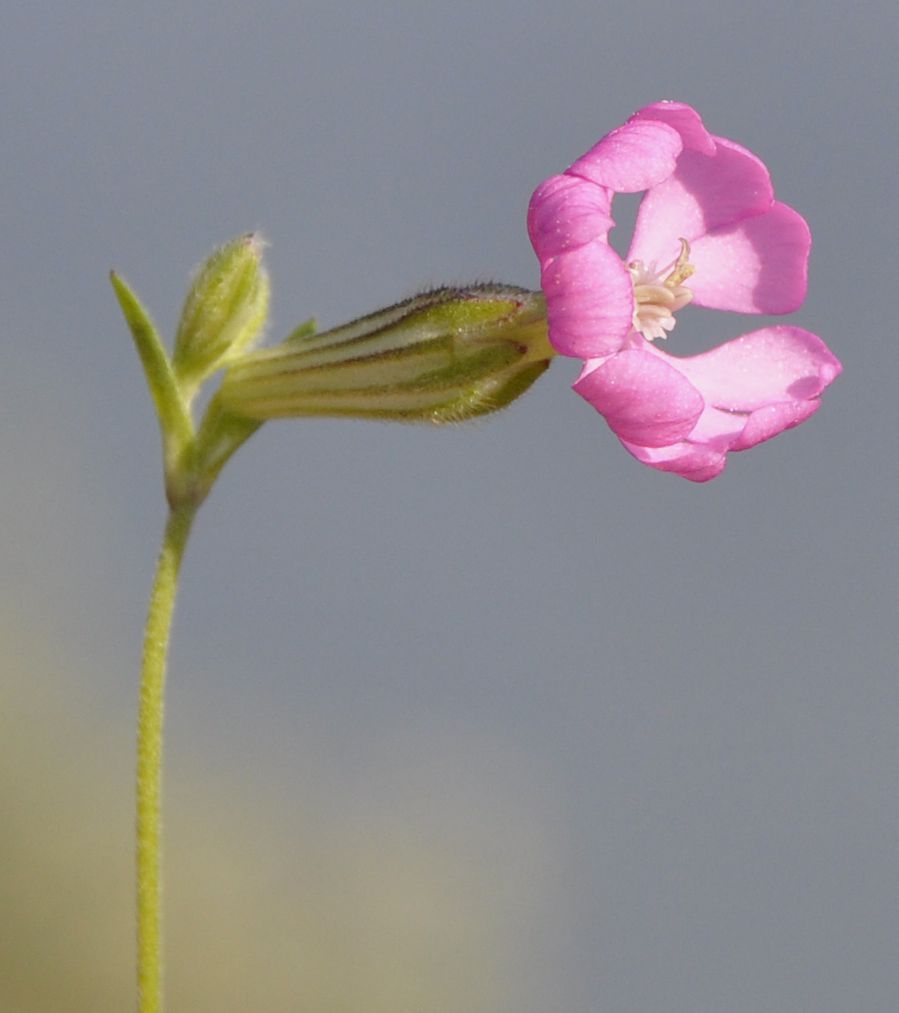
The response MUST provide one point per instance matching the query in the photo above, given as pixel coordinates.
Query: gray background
(651, 726)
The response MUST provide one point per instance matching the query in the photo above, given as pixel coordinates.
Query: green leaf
(174, 417)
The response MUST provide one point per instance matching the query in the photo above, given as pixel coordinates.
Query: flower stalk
(446, 355)
(224, 311)
(149, 758)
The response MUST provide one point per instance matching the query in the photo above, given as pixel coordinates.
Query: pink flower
(708, 231)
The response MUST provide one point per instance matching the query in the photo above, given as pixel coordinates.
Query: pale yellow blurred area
(273, 904)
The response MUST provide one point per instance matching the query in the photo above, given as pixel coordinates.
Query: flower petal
(704, 193)
(685, 120)
(769, 366)
(644, 399)
(566, 212)
(695, 462)
(589, 300)
(759, 265)
(718, 429)
(633, 157)
(773, 419)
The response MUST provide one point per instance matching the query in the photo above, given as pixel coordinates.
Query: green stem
(149, 759)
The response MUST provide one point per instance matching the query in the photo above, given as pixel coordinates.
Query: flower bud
(224, 312)
(443, 356)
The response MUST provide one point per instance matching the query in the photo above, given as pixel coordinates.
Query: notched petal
(759, 265)
(566, 212)
(685, 120)
(694, 462)
(633, 157)
(768, 366)
(767, 422)
(644, 399)
(589, 300)
(704, 193)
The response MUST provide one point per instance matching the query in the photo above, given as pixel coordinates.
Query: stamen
(658, 294)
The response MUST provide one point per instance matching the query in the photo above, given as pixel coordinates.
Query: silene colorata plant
(709, 231)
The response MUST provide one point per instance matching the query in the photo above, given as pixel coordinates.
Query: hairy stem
(149, 759)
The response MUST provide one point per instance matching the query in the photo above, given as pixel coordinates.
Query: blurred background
(489, 718)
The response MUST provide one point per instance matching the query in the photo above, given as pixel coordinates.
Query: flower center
(657, 297)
